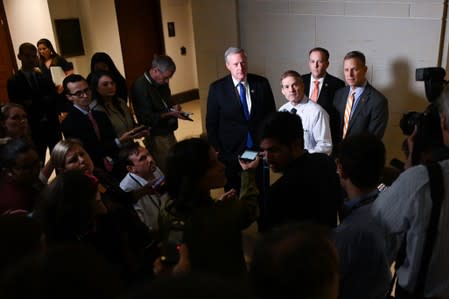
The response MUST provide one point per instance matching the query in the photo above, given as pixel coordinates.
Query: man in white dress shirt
(315, 120)
(142, 171)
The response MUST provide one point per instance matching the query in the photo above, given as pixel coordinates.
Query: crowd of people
(129, 212)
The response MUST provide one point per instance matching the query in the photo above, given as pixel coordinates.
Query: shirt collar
(359, 89)
(359, 201)
(236, 82)
(80, 109)
(138, 179)
(320, 79)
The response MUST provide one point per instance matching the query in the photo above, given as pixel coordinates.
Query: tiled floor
(193, 128)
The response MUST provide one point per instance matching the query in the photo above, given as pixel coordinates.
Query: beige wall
(396, 36)
(29, 21)
(99, 29)
(215, 28)
(180, 12)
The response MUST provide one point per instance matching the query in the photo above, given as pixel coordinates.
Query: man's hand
(176, 111)
(230, 194)
(136, 133)
(245, 164)
(183, 266)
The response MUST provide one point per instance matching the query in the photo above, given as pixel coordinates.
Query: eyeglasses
(79, 93)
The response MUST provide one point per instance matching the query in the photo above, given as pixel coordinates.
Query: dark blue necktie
(242, 93)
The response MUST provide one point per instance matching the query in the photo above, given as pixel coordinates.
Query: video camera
(428, 136)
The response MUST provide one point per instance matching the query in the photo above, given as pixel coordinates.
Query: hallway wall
(396, 36)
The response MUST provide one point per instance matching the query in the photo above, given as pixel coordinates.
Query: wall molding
(186, 96)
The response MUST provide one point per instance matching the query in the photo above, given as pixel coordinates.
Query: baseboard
(186, 96)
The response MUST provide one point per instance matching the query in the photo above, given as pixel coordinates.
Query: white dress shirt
(315, 122)
(148, 206)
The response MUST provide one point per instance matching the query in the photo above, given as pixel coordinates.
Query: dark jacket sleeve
(213, 116)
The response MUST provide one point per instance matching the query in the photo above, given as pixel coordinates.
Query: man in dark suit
(37, 94)
(321, 86)
(236, 106)
(361, 108)
(309, 189)
(93, 128)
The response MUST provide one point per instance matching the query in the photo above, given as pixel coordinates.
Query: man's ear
(443, 122)
(296, 144)
(130, 168)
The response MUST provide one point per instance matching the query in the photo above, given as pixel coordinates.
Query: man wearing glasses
(154, 107)
(93, 128)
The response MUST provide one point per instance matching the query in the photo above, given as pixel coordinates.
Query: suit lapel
(364, 97)
(232, 94)
(342, 103)
(323, 90)
(306, 80)
(26, 82)
(253, 94)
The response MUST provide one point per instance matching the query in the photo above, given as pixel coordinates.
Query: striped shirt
(404, 208)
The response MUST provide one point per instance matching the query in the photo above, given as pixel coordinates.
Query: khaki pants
(159, 146)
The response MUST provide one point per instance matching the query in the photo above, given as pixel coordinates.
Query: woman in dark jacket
(101, 61)
(213, 228)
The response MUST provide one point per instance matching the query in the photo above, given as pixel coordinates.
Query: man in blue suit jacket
(369, 112)
(231, 129)
(326, 85)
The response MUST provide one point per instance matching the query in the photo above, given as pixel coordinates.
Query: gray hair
(163, 63)
(233, 50)
(443, 104)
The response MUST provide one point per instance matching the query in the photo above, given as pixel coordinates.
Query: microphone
(293, 111)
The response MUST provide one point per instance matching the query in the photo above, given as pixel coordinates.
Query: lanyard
(157, 91)
(156, 202)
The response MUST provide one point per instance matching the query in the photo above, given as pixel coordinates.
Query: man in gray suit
(361, 108)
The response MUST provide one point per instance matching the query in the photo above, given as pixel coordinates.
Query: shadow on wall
(401, 99)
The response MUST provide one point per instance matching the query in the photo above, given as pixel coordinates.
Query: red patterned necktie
(94, 124)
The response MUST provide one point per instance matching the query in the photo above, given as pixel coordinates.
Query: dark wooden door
(141, 35)
(8, 64)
